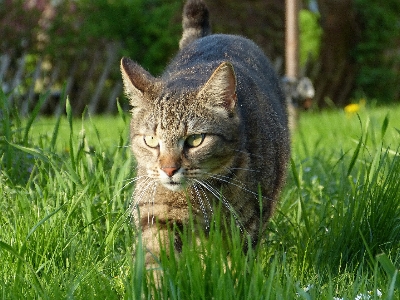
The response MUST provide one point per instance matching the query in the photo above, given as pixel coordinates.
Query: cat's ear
(220, 89)
(136, 81)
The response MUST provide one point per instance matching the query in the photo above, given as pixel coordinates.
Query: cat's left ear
(220, 89)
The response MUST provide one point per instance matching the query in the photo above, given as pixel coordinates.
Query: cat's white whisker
(130, 181)
(243, 169)
(138, 188)
(226, 203)
(228, 180)
(141, 191)
(202, 206)
(150, 201)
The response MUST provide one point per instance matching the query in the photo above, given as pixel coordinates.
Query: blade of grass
(385, 125)
(71, 133)
(121, 112)
(355, 156)
(57, 125)
(38, 286)
(33, 116)
(393, 284)
(23, 248)
(296, 175)
(43, 220)
(38, 153)
(389, 268)
(6, 126)
(371, 257)
(139, 269)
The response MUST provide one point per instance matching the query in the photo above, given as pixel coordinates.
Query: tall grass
(66, 231)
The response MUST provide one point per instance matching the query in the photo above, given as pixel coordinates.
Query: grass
(65, 231)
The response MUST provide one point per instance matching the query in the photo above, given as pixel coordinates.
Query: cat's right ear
(220, 90)
(136, 81)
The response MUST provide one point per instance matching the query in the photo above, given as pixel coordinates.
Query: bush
(310, 36)
(144, 29)
(375, 52)
(81, 42)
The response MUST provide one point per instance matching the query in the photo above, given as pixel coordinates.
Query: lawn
(66, 233)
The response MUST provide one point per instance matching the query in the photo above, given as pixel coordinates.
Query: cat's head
(182, 135)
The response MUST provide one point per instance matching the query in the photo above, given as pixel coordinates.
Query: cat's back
(258, 86)
(202, 56)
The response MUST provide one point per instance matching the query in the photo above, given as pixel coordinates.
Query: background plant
(377, 50)
(66, 231)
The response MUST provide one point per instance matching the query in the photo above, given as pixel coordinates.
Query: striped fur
(212, 129)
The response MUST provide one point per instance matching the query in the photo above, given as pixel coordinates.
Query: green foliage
(145, 29)
(66, 221)
(376, 52)
(310, 36)
(66, 231)
(19, 25)
(15, 164)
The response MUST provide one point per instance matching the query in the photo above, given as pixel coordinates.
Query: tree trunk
(335, 79)
(262, 21)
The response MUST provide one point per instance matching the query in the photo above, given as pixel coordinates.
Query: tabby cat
(212, 128)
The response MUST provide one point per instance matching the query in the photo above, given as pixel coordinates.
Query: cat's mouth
(174, 182)
(174, 186)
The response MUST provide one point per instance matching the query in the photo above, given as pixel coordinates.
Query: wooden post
(291, 59)
(292, 39)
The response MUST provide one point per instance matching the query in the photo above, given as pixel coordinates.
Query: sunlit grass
(66, 233)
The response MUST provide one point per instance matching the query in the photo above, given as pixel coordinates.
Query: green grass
(65, 230)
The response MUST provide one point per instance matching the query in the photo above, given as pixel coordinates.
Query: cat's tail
(195, 22)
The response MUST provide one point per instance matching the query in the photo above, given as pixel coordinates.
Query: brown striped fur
(212, 128)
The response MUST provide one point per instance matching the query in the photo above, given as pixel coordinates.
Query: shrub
(375, 52)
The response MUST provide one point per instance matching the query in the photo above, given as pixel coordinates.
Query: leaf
(55, 133)
(34, 152)
(42, 221)
(71, 134)
(355, 156)
(5, 125)
(121, 112)
(57, 126)
(15, 253)
(296, 175)
(389, 268)
(384, 125)
(33, 116)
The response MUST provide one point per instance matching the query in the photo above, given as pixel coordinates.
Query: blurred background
(350, 49)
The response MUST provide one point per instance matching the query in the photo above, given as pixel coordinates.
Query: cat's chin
(174, 186)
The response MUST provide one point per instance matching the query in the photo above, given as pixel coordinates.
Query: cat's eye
(195, 140)
(151, 141)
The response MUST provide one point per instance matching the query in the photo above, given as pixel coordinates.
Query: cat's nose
(170, 171)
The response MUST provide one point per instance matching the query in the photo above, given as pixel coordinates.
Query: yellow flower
(354, 107)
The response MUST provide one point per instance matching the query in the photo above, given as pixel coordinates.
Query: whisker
(196, 187)
(228, 180)
(226, 203)
(153, 192)
(205, 195)
(131, 180)
(140, 192)
(245, 169)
